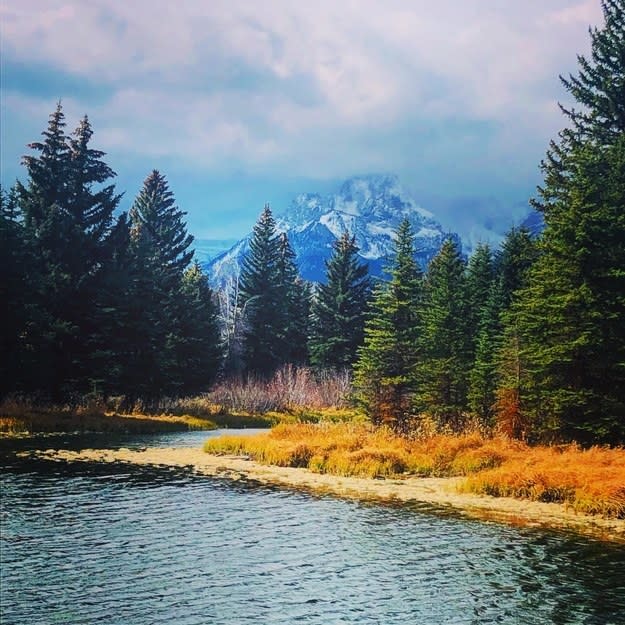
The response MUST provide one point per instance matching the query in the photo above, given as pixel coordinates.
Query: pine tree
(512, 262)
(47, 175)
(339, 308)
(16, 288)
(479, 285)
(386, 366)
(570, 317)
(68, 222)
(160, 245)
(296, 298)
(511, 265)
(444, 341)
(260, 299)
(483, 375)
(198, 350)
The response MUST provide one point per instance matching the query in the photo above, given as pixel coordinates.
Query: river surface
(90, 543)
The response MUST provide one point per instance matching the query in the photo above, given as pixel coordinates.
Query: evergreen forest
(528, 338)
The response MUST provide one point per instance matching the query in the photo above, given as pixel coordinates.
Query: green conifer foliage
(478, 284)
(296, 298)
(483, 375)
(512, 262)
(444, 341)
(569, 319)
(16, 289)
(339, 308)
(517, 254)
(571, 314)
(68, 220)
(160, 255)
(386, 366)
(261, 299)
(198, 351)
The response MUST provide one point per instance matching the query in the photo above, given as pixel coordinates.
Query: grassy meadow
(590, 481)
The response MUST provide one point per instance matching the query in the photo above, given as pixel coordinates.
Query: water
(111, 544)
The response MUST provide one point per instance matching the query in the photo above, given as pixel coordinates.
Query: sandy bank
(436, 491)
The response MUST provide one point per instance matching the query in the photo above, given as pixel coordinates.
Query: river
(91, 543)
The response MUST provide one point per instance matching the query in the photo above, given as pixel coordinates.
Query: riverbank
(21, 418)
(436, 491)
(48, 422)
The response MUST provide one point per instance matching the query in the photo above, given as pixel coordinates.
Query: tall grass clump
(360, 450)
(591, 481)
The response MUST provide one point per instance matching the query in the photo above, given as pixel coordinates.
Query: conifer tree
(198, 350)
(160, 245)
(68, 220)
(444, 341)
(569, 318)
(513, 260)
(386, 367)
(483, 374)
(478, 284)
(511, 265)
(261, 302)
(16, 294)
(339, 308)
(296, 305)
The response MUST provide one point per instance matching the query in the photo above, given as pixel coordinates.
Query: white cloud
(321, 88)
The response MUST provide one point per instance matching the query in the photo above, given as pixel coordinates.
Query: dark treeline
(529, 338)
(93, 302)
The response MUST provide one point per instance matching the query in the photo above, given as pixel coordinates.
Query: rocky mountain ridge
(369, 207)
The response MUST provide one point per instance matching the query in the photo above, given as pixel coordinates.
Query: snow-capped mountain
(207, 249)
(368, 207)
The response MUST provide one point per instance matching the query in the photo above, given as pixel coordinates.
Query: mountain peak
(370, 207)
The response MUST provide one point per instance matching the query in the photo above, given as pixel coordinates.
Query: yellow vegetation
(18, 416)
(591, 481)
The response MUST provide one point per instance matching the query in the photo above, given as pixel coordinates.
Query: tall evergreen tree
(444, 341)
(483, 375)
(296, 298)
(68, 220)
(478, 286)
(339, 308)
(513, 260)
(160, 245)
(386, 367)
(199, 349)
(569, 318)
(261, 302)
(16, 295)
(511, 265)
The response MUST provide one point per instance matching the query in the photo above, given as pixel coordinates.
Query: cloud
(318, 89)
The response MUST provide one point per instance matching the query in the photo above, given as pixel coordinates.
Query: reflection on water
(119, 545)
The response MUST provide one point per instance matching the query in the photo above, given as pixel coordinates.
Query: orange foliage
(591, 481)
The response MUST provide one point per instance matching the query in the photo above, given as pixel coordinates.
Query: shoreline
(440, 492)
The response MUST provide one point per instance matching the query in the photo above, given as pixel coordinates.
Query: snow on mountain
(207, 249)
(368, 207)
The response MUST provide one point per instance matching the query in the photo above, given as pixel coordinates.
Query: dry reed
(590, 481)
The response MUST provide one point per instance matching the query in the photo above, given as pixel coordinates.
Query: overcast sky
(239, 102)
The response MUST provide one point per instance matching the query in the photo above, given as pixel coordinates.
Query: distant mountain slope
(369, 207)
(534, 222)
(207, 249)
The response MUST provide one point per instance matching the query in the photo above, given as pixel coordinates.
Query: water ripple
(108, 544)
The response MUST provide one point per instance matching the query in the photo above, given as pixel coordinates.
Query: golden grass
(23, 415)
(20, 416)
(591, 481)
